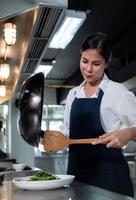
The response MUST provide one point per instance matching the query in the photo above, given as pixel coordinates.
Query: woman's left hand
(115, 139)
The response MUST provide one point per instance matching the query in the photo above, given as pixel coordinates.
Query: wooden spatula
(55, 141)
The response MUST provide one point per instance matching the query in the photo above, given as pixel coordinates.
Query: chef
(96, 107)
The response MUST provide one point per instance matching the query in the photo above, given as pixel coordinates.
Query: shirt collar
(103, 84)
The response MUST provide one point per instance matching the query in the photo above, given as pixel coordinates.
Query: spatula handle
(82, 141)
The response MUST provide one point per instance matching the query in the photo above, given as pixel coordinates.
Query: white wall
(50, 96)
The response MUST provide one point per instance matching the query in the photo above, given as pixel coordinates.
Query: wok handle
(82, 141)
(42, 134)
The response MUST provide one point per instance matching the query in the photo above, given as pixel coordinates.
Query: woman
(99, 106)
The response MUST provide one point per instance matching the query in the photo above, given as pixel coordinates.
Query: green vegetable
(43, 176)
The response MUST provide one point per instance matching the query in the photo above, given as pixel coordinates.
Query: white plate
(23, 183)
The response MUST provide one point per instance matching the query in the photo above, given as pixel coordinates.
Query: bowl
(18, 166)
(1, 179)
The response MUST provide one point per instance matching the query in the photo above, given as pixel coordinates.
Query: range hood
(12, 8)
(35, 21)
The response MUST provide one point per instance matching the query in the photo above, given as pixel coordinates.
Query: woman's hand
(52, 141)
(116, 139)
(42, 138)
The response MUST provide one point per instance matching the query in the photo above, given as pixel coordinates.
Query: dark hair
(99, 41)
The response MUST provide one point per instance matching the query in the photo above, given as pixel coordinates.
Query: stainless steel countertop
(9, 175)
(9, 192)
(76, 191)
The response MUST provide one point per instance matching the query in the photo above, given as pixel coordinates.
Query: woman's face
(92, 66)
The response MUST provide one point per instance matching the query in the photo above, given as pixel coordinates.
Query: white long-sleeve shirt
(118, 106)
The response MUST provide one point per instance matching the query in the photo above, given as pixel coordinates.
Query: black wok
(30, 105)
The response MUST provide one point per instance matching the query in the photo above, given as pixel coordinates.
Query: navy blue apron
(95, 164)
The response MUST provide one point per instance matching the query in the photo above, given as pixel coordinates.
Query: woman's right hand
(116, 139)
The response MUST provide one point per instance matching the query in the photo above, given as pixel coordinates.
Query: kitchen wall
(50, 96)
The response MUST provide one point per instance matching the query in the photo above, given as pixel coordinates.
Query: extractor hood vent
(30, 65)
(37, 48)
(43, 29)
(47, 21)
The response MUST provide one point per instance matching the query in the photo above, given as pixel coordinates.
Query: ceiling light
(72, 21)
(44, 68)
(54, 61)
(10, 33)
(2, 90)
(4, 71)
